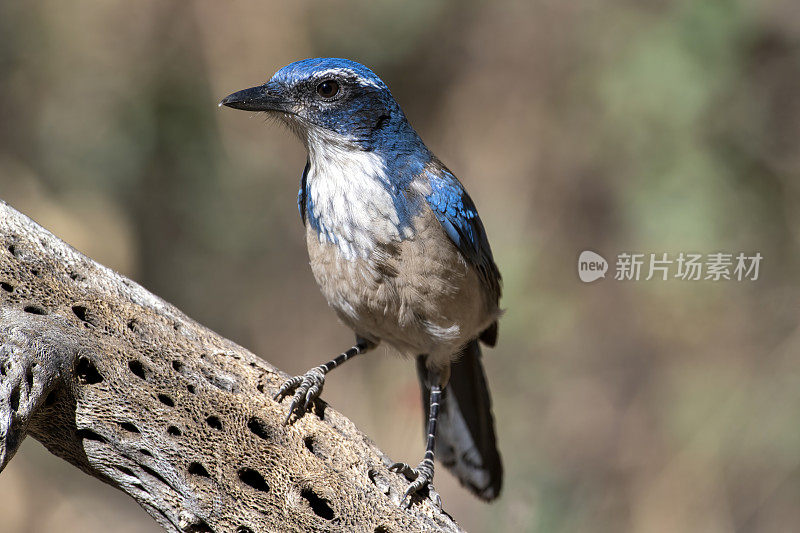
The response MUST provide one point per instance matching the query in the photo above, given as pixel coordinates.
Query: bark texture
(127, 388)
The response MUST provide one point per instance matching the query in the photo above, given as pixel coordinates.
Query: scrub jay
(399, 252)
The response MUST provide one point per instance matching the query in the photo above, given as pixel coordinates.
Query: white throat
(349, 195)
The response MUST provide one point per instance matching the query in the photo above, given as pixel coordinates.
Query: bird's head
(332, 99)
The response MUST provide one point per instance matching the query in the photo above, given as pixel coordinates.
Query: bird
(399, 252)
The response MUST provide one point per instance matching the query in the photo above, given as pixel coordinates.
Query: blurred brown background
(651, 126)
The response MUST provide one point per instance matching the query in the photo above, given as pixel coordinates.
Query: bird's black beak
(261, 98)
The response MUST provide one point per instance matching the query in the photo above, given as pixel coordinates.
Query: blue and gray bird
(399, 252)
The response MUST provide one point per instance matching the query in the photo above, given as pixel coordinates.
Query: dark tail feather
(465, 438)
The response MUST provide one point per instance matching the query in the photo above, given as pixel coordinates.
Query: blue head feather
(363, 112)
(305, 69)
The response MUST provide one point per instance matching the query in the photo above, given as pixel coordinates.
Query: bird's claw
(307, 388)
(421, 478)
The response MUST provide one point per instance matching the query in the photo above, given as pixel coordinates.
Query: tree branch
(127, 388)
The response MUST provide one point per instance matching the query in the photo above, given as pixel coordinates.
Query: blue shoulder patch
(459, 218)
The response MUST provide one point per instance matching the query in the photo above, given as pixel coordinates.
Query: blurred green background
(657, 126)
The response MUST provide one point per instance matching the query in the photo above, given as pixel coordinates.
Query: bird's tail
(465, 438)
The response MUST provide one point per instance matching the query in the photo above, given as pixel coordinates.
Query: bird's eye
(328, 89)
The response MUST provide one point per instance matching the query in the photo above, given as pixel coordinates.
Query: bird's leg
(308, 387)
(422, 476)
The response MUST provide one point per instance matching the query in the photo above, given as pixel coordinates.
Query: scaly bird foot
(421, 478)
(307, 388)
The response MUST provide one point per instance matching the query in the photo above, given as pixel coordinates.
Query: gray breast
(417, 293)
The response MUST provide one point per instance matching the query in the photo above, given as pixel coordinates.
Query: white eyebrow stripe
(352, 73)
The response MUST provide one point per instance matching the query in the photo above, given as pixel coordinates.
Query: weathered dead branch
(127, 388)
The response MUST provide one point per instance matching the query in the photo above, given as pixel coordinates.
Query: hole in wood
(190, 388)
(174, 431)
(309, 443)
(196, 469)
(145, 452)
(13, 400)
(127, 426)
(252, 478)
(88, 434)
(177, 366)
(86, 371)
(380, 483)
(34, 310)
(125, 470)
(137, 368)
(166, 400)
(259, 428)
(214, 422)
(80, 312)
(6, 286)
(199, 527)
(319, 505)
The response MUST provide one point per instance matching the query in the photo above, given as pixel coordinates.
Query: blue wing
(458, 215)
